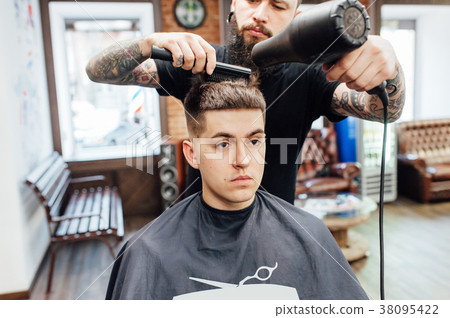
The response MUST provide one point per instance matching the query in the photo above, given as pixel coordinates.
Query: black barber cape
(269, 250)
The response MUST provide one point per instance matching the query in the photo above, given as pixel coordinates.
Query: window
(98, 120)
(401, 33)
(419, 36)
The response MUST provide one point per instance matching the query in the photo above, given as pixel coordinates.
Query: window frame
(51, 81)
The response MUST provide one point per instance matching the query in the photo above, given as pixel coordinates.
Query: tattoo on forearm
(124, 64)
(344, 100)
(396, 91)
(369, 107)
(358, 100)
(392, 84)
(344, 107)
(117, 61)
(146, 74)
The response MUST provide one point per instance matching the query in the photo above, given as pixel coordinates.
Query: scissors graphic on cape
(242, 290)
(228, 285)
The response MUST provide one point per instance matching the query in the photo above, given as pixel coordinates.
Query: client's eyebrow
(257, 131)
(228, 135)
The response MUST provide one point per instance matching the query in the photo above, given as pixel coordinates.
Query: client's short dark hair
(204, 96)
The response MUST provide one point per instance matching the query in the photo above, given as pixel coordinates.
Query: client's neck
(226, 204)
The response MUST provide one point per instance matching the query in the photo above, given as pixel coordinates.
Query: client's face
(231, 151)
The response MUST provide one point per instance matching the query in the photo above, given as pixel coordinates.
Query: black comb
(222, 72)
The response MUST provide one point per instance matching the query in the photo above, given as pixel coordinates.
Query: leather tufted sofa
(424, 159)
(320, 170)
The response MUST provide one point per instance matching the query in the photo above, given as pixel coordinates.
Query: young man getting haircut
(231, 240)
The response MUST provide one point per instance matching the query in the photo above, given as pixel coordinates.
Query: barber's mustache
(255, 25)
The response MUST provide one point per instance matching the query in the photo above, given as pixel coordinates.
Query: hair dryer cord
(380, 91)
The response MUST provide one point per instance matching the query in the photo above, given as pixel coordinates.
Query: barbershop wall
(25, 139)
(210, 31)
(432, 64)
(430, 89)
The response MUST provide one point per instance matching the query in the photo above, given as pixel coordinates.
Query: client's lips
(242, 180)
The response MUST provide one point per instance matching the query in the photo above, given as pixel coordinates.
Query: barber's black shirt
(296, 95)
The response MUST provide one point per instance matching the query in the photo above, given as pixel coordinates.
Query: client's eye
(222, 145)
(256, 141)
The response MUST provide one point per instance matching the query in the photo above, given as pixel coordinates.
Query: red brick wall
(210, 31)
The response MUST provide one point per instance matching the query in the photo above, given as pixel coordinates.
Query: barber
(296, 94)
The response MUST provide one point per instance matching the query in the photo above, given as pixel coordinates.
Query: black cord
(380, 91)
(380, 221)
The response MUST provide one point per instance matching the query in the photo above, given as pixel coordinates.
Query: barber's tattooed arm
(362, 105)
(123, 64)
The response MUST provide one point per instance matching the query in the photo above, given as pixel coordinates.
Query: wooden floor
(416, 249)
(417, 257)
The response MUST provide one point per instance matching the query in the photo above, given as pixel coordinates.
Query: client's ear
(189, 154)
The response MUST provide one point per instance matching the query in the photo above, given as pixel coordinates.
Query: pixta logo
(142, 146)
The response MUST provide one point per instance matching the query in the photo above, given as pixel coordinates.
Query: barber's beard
(240, 50)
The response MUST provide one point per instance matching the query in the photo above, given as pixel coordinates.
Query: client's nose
(242, 156)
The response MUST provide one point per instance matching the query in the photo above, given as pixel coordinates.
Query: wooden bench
(77, 208)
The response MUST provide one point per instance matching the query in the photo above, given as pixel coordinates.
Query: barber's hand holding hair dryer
(330, 33)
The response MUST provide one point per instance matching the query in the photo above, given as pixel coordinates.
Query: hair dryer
(320, 34)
